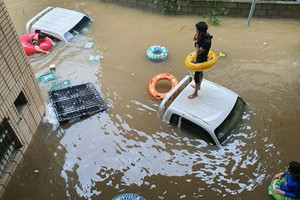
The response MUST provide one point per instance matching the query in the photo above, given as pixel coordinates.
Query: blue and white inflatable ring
(157, 52)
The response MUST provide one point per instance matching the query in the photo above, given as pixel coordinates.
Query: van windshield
(77, 29)
(231, 120)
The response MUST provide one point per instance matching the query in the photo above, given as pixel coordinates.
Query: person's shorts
(35, 43)
(197, 76)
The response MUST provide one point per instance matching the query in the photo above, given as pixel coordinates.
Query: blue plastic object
(47, 77)
(60, 84)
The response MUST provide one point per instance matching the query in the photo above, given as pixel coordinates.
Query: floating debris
(61, 84)
(52, 67)
(76, 102)
(47, 77)
(221, 54)
(88, 45)
(95, 58)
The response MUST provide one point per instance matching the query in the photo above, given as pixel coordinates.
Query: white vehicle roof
(57, 21)
(209, 109)
(212, 105)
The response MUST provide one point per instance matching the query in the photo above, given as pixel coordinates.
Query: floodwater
(128, 149)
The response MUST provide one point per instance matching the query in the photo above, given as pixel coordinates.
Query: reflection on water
(128, 149)
(138, 155)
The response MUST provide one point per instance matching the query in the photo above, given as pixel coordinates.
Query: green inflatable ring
(277, 184)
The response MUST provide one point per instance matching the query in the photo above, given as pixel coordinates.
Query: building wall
(236, 8)
(21, 102)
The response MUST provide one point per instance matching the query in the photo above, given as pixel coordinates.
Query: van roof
(58, 20)
(209, 109)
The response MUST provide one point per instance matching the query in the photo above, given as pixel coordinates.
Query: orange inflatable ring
(211, 61)
(30, 48)
(156, 79)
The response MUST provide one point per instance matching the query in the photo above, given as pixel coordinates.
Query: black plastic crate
(76, 102)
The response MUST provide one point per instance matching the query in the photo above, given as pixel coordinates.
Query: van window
(81, 24)
(77, 29)
(192, 128)
(174, 119)
(231, 121)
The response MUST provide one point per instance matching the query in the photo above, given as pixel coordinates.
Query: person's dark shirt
(205, 44)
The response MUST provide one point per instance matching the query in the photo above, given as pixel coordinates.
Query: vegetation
(176, 4)
(213, 15)
(170, 4)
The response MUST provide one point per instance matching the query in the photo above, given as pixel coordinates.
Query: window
(8, 145)
(20, 101)
(174, 119)
(191, 127)
(77, 29)
(231, 121)
(82, 24)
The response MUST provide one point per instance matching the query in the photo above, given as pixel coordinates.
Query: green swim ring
(276, 184)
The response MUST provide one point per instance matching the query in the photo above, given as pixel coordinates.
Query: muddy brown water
(128, 149)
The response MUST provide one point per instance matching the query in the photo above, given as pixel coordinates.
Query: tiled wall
(17, 77)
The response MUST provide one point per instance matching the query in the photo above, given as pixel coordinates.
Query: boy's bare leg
(195, 93)
(194, 85)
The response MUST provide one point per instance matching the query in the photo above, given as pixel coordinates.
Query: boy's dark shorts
(35, 43)
(197, 76)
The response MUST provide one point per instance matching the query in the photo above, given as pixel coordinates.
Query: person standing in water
(202, 44)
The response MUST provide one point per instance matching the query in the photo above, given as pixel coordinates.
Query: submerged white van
(58, 23)
(214, 113)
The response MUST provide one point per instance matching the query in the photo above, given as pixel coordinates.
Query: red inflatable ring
(156, 79)
(29, 48)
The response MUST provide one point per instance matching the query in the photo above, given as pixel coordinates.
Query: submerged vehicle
(213, 114)
(58, 23)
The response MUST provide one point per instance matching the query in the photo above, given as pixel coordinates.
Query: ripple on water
(105, 148)
(118, 154)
